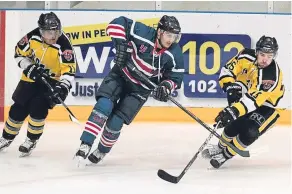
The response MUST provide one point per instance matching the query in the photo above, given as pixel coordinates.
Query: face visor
(175, 38)
(50, 34)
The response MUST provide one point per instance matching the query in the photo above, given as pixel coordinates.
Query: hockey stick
(175, 179)
(71, 115)
(242, 153)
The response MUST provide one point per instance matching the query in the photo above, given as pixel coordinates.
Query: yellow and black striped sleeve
(67, 59)
(23, 52)
(230, 71)
(266, 89)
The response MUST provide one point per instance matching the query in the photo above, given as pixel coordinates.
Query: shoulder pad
(34, 34)
(246, 53)
(64, 42)
(66, 49)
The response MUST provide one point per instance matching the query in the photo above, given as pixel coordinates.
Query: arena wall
(208, 41)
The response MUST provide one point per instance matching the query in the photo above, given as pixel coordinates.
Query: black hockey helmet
(49, 25)
(267, 44)
(169, 24)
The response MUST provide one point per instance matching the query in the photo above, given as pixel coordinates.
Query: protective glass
(172, 36)
(51, 34)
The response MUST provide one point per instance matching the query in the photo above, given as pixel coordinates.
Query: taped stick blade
(73, 119)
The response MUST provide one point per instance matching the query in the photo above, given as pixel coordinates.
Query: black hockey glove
(162, 92)
(61, 89)
(226, 116)
(123, 52)
(234, 92)
(34, 71)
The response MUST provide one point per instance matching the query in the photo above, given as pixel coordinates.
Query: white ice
(132, 165)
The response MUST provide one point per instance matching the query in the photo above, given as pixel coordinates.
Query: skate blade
(22, 155)
(212, 168)
(80, 161)
(91, 164)
(3, 150)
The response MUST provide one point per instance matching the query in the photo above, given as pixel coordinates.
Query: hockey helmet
(50, 25)
(267, 44)
(170, 26)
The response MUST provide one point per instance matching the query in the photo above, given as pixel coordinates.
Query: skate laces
(28, 143)
(84, 148)
(4, 142)
(219, 157)
(98, 154)
(214, 150)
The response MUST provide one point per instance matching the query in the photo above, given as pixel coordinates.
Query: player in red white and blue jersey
(154, 52)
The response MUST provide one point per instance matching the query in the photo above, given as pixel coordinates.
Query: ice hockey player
(156, 54)
(43, 52)
(253, 83)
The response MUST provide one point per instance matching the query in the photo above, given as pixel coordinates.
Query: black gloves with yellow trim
(226, 116)
(234, 92)
(36, 71)
(61, 89)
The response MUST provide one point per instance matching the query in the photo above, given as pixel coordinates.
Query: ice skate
(27, 147)
(218, 160)
(4, 143)
(210, 151)
(82, 153)
(96, 156)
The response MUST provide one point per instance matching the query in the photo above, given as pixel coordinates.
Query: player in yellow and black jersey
(43, 52)
(253, 83)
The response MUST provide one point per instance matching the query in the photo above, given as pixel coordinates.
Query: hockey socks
(96, 120)
(111, 133)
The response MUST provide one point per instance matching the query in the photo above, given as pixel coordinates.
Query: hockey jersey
(261, 87)
(59, 58)
(167, 65)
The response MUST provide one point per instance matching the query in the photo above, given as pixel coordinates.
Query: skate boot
(96, 156)
(83, 151)
(27, 147)
(218, 160)
(210, 151)
(4, 143)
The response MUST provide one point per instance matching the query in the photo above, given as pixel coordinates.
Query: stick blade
(167, 177)
(73, 119)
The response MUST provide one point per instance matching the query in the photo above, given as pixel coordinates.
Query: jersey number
(231, 65)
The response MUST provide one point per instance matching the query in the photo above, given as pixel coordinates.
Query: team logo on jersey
(23, 41)
(143, 48)
(267, 84)
(68, 55)
(258, 118)
(244, 71)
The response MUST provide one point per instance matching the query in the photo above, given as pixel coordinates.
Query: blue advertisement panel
(204, 55)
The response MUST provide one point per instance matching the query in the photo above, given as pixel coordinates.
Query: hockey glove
(226, 116)
(234, 92)
(162, 92)
(34, 71)
(61, 89)
(123, 52)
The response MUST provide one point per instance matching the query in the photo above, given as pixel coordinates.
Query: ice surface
(132, 165)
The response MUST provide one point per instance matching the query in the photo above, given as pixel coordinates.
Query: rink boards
(206, 49)
(153, 114)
